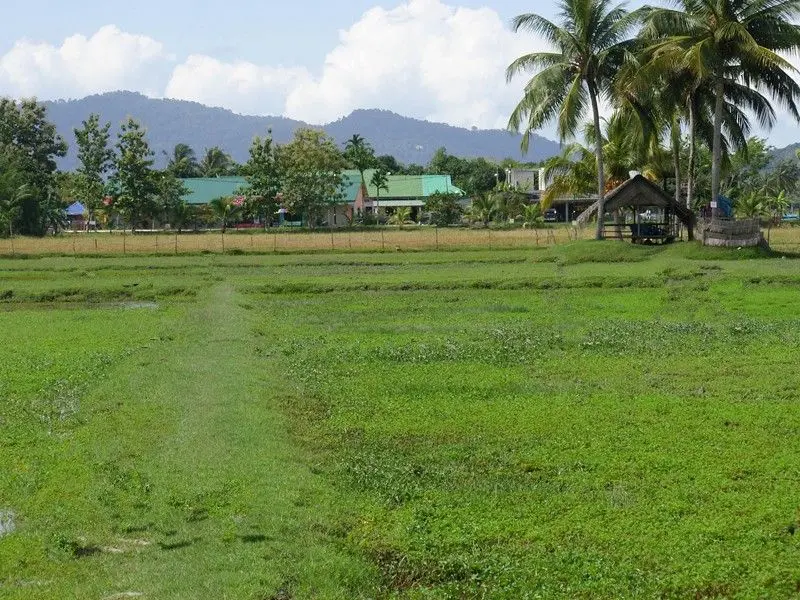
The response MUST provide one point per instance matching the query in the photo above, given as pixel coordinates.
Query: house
(409, 191)
(76, 213)
(529, 181)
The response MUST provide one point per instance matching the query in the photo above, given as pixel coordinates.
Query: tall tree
(263, 173)
(360, 154)
(13, 191)
(591, 45)
(96, 159)
(183, 162)
(134, 176)
(380, 181)
(32, 144)
(389, 164)
(724, 43)
(444, 208)
(170, 193)
(312, 167)
(216, 162)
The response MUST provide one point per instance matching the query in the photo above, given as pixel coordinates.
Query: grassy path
(183, 481)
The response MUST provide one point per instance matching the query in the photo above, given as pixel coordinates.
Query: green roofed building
(202, 190)
(403, 191)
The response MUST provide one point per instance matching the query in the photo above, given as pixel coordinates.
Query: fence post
(95, 245)
(383, 242)
(436, 233)
(176, 243)
(223, 241)
(124, 249)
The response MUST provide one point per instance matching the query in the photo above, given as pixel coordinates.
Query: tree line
(117, 179)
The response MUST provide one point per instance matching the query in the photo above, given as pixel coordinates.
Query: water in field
(7, 522)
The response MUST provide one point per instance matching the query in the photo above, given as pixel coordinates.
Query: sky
(317, 61)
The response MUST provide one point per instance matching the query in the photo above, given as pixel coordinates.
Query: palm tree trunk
(716, 163)
(598, 149)
(692, 152)
(675, 133)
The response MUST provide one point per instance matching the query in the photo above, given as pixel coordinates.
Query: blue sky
(440, 60)
(299, 31)
(292, 31)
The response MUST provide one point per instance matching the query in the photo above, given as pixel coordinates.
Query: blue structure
(725, 205)
(76, 209)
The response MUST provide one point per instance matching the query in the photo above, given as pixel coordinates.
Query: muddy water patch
(137, 305)
(8, 522)
(77, 306)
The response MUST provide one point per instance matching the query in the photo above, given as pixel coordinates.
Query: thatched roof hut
(639, 196)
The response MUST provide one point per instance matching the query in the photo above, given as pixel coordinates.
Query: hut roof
(637, 191)
(640, 191)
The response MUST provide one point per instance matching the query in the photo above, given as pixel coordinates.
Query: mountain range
(169, 122)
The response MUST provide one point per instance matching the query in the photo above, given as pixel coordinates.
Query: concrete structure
(526, 180)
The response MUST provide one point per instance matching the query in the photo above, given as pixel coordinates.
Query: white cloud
(422, 58)
(243, 87)
(109, 60)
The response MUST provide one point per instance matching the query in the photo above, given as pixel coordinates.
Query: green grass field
(593, 420)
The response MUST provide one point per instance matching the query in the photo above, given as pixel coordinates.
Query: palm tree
(591, 45)
(380, 181)
(400, 216)
(569, 174)
(532, 216)
(361, 155)
(483, 208)
(652, 114)
(625, 147)
(215, 162)
(509, 202)
(225, 210)
(731, 44)
(751, 206)
(183, 162)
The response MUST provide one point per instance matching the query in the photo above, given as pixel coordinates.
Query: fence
(365, 240)
(731, 233)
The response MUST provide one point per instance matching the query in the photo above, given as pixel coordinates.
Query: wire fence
(782, 239)
(263, 242)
